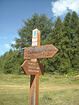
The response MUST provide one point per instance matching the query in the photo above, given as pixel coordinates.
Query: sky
(13, 12)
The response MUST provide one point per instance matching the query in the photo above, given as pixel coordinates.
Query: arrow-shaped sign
(33, 68)
(45, 51)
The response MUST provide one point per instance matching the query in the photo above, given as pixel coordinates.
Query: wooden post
(34, 89)
(34, 79)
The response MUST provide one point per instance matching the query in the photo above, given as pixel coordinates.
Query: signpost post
(33, 67)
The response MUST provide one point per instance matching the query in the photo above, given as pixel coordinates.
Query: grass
(53, 90)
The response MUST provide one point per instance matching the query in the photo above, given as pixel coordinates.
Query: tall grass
(53, 90)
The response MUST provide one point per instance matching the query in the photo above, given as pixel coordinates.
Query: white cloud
(7, 46)
(61, 7)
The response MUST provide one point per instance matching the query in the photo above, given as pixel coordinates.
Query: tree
(11, 62)
(62, 36)
(25, 33)
(75, 40)
(56, 38)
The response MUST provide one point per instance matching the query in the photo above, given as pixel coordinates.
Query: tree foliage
(11, 62)
(63, 34)
(25, 33)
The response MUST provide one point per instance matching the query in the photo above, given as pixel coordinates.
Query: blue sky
(13, 12)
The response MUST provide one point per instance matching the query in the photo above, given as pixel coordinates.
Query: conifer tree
(75, 40)
(25, 33)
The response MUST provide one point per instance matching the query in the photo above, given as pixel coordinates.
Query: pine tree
(25, 33)
(56, 38)
(75, 41)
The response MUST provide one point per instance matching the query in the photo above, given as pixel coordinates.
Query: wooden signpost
(33, 67)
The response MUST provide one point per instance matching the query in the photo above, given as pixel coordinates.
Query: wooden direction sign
(33, 68)
(45, 51)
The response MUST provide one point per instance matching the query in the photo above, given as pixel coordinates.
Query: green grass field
(53, 90)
